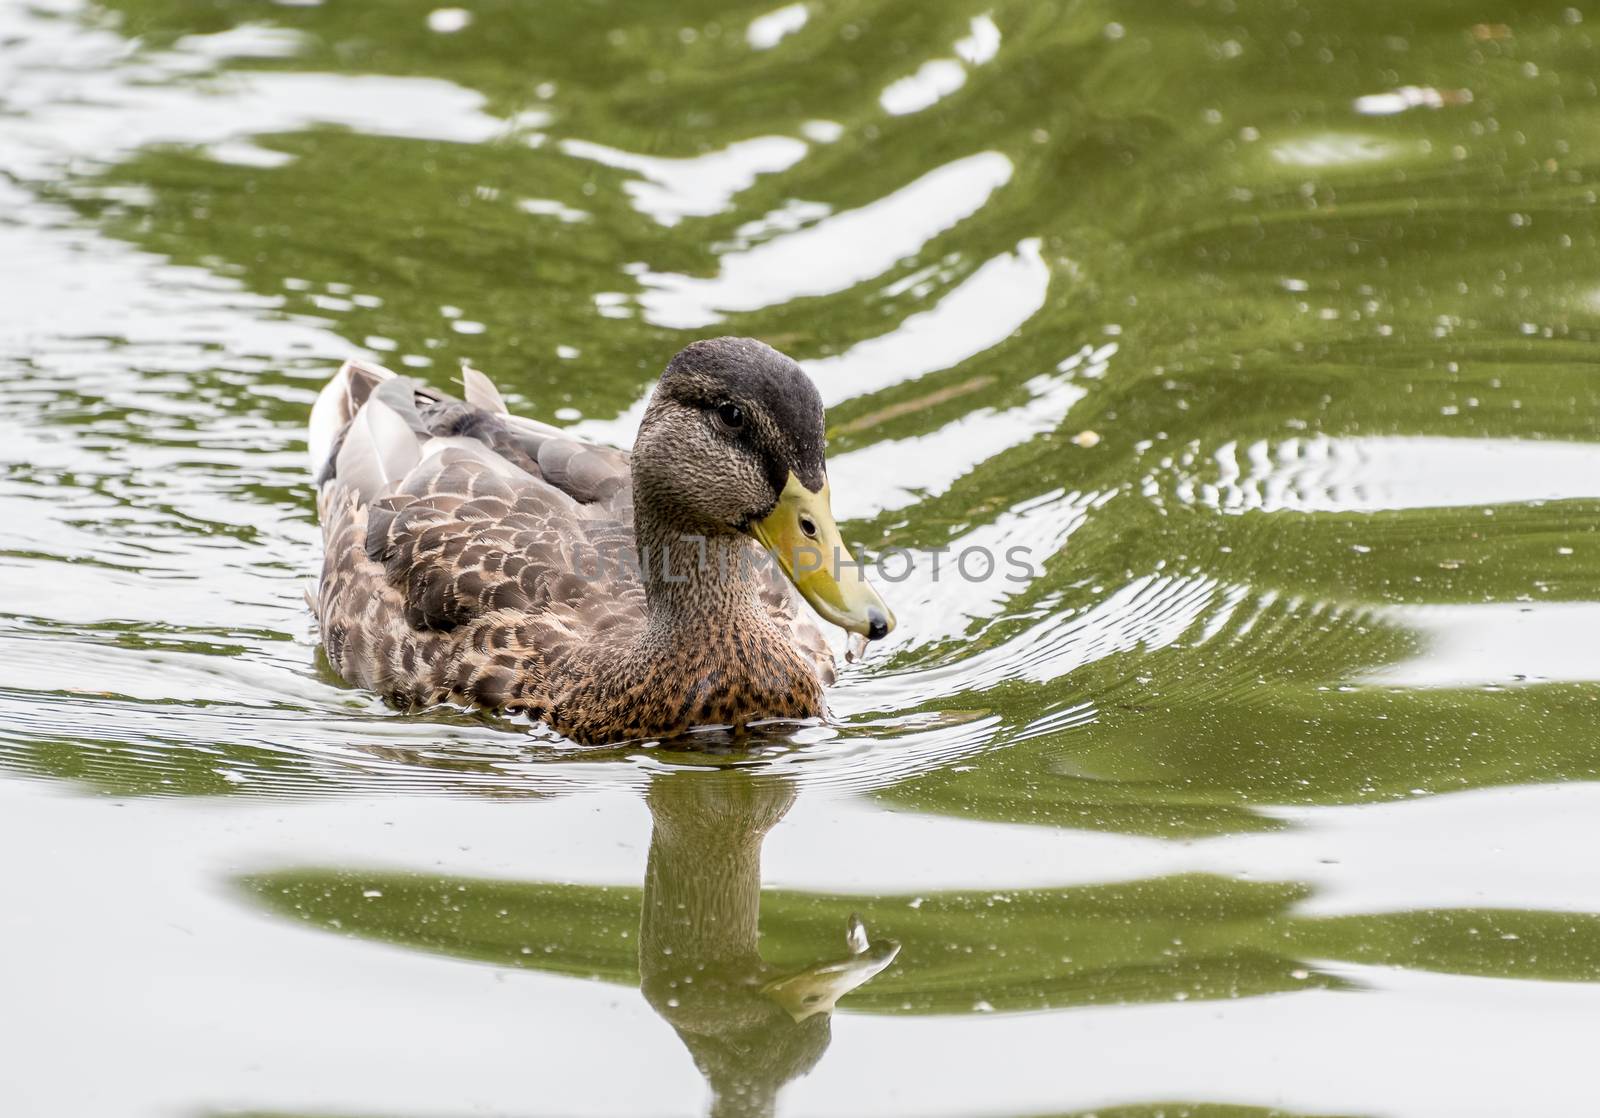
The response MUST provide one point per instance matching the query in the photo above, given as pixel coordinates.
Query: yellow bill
(818, 988)
(805, 541)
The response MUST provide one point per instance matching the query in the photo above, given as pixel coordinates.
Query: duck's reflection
(750, 1026)
(690, 937)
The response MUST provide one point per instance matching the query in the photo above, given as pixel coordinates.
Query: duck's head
(732, 441)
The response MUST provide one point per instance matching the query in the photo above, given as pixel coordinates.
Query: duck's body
(480, 558)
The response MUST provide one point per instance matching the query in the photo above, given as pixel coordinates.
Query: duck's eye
(731, 414)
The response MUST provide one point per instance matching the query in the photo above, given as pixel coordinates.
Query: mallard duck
(484, 559)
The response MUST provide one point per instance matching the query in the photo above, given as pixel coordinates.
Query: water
(1267, 328)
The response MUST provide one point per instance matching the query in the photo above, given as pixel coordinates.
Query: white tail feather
(328, 418)
(378, 371)
(379, 449)
(335, 408)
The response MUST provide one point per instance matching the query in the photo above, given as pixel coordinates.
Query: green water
(1266, 328)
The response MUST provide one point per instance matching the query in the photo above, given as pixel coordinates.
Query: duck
(483, 559)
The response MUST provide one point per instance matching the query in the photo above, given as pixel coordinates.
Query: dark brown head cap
(782, 403)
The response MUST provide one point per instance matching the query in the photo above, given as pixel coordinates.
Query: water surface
(1266, 328)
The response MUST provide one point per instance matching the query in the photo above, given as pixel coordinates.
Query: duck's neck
(698, 585)
(710, 651)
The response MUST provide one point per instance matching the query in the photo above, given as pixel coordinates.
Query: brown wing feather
(462, 539)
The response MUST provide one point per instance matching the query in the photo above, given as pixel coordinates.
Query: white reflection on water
(696, 186)
(766, 32)
(1503, 643)
(1410, 97)
(1389, 472)
(1149, 612)
(897, 473)
(549, 207)
(73, 92)
(1333, 149)
(947, 606)
(831, 255)
(978, 314)
(248, 40)
(981, 43)
(933, 81)
(937, 78)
